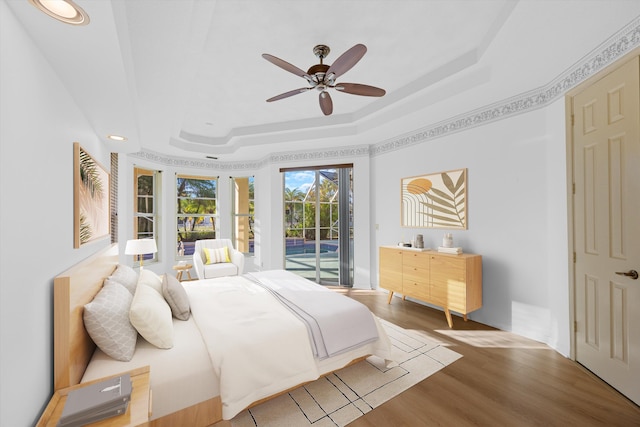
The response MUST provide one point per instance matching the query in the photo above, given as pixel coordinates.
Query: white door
(606, 156)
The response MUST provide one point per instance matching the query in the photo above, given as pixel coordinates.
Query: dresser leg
(449, 319)
(464, 316)
(390, 296)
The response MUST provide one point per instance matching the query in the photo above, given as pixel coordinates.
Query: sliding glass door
(318, 212)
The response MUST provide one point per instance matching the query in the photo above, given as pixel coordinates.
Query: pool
(295, 248)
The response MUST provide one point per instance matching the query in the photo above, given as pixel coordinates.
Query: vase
(447, 240)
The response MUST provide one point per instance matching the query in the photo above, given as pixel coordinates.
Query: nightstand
(137, 414)
(181, 268)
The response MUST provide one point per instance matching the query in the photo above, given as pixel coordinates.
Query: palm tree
(291, 196)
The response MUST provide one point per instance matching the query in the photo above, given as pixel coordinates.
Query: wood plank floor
(501, 380)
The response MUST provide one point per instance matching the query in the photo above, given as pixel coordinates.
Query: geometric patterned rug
(339, 398)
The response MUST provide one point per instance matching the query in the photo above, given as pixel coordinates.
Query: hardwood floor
(501, 380)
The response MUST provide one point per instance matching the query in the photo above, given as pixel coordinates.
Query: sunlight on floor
(490, 339)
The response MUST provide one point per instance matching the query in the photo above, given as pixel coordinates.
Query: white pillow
(106, 319)
(151, 316)
(126, 276)
(149, 278)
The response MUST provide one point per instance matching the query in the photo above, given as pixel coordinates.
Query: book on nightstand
(95, 416)
(97, 401)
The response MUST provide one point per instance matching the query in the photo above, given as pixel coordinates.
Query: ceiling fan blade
(326, 104)
(346, 61)
(358, 89)
(288, 94)
(286, 66)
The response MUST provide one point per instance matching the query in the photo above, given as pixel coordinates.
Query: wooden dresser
(453, 282)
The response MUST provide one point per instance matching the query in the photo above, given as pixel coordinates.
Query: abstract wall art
(437, 200)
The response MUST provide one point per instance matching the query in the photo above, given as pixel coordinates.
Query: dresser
(453, 282)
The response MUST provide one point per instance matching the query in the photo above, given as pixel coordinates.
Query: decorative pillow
(149, 278)
(215, 256)
(176, 297)
(126, 276)
(151, 316)
(106, 319)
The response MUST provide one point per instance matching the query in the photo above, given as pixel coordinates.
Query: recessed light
(62, 10)
(117, 137)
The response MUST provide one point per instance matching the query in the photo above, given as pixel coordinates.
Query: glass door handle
(631, 273)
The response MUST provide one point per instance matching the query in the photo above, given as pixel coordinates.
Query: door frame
(570, 186)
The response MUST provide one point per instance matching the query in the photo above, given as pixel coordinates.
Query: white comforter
(257, 347)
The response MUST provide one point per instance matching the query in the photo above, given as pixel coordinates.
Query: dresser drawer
(415, 259)
(416, 289)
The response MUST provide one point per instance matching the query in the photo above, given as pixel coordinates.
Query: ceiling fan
(322, 76)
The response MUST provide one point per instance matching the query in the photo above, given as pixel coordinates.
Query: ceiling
(186, 77)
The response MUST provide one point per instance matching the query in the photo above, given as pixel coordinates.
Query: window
(243, 214)
(145, 214)
(197, 211)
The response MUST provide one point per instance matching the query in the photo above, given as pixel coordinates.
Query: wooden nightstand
(137, 414)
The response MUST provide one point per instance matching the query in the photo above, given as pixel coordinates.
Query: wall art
(90, 198)
(437, 200)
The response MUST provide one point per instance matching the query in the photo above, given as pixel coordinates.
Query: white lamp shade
(140, 247)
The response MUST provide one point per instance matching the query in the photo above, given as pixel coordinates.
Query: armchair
(209, 271)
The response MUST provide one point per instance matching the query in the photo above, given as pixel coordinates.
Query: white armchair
(209, 271)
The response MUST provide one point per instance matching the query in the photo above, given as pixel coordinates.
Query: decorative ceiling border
(331, 153)
(293, 156)
(625, 40)
(197, 163)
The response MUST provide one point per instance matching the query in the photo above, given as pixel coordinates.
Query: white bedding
(257, 346)
(180, 376)
(202, 365)
(335, 324)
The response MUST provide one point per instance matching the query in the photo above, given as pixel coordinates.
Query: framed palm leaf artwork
(437, 200)
(90, 198)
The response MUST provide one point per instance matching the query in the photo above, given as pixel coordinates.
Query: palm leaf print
(446, 207)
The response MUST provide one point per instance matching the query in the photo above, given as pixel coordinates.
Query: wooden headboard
(72, 346)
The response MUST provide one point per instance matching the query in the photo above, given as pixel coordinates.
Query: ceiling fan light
(63, 10)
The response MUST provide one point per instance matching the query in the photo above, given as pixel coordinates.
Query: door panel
(606, 160)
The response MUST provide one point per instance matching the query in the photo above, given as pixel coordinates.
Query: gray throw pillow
(126, 276)
(176, 296)
(106, 319)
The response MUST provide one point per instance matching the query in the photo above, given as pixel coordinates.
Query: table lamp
(140, 247)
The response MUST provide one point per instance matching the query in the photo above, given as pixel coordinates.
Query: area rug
(343, 396)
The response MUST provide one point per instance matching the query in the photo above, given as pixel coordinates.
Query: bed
(190, 380)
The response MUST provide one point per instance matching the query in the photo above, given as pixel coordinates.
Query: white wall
(516, 216)
(39, 125)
